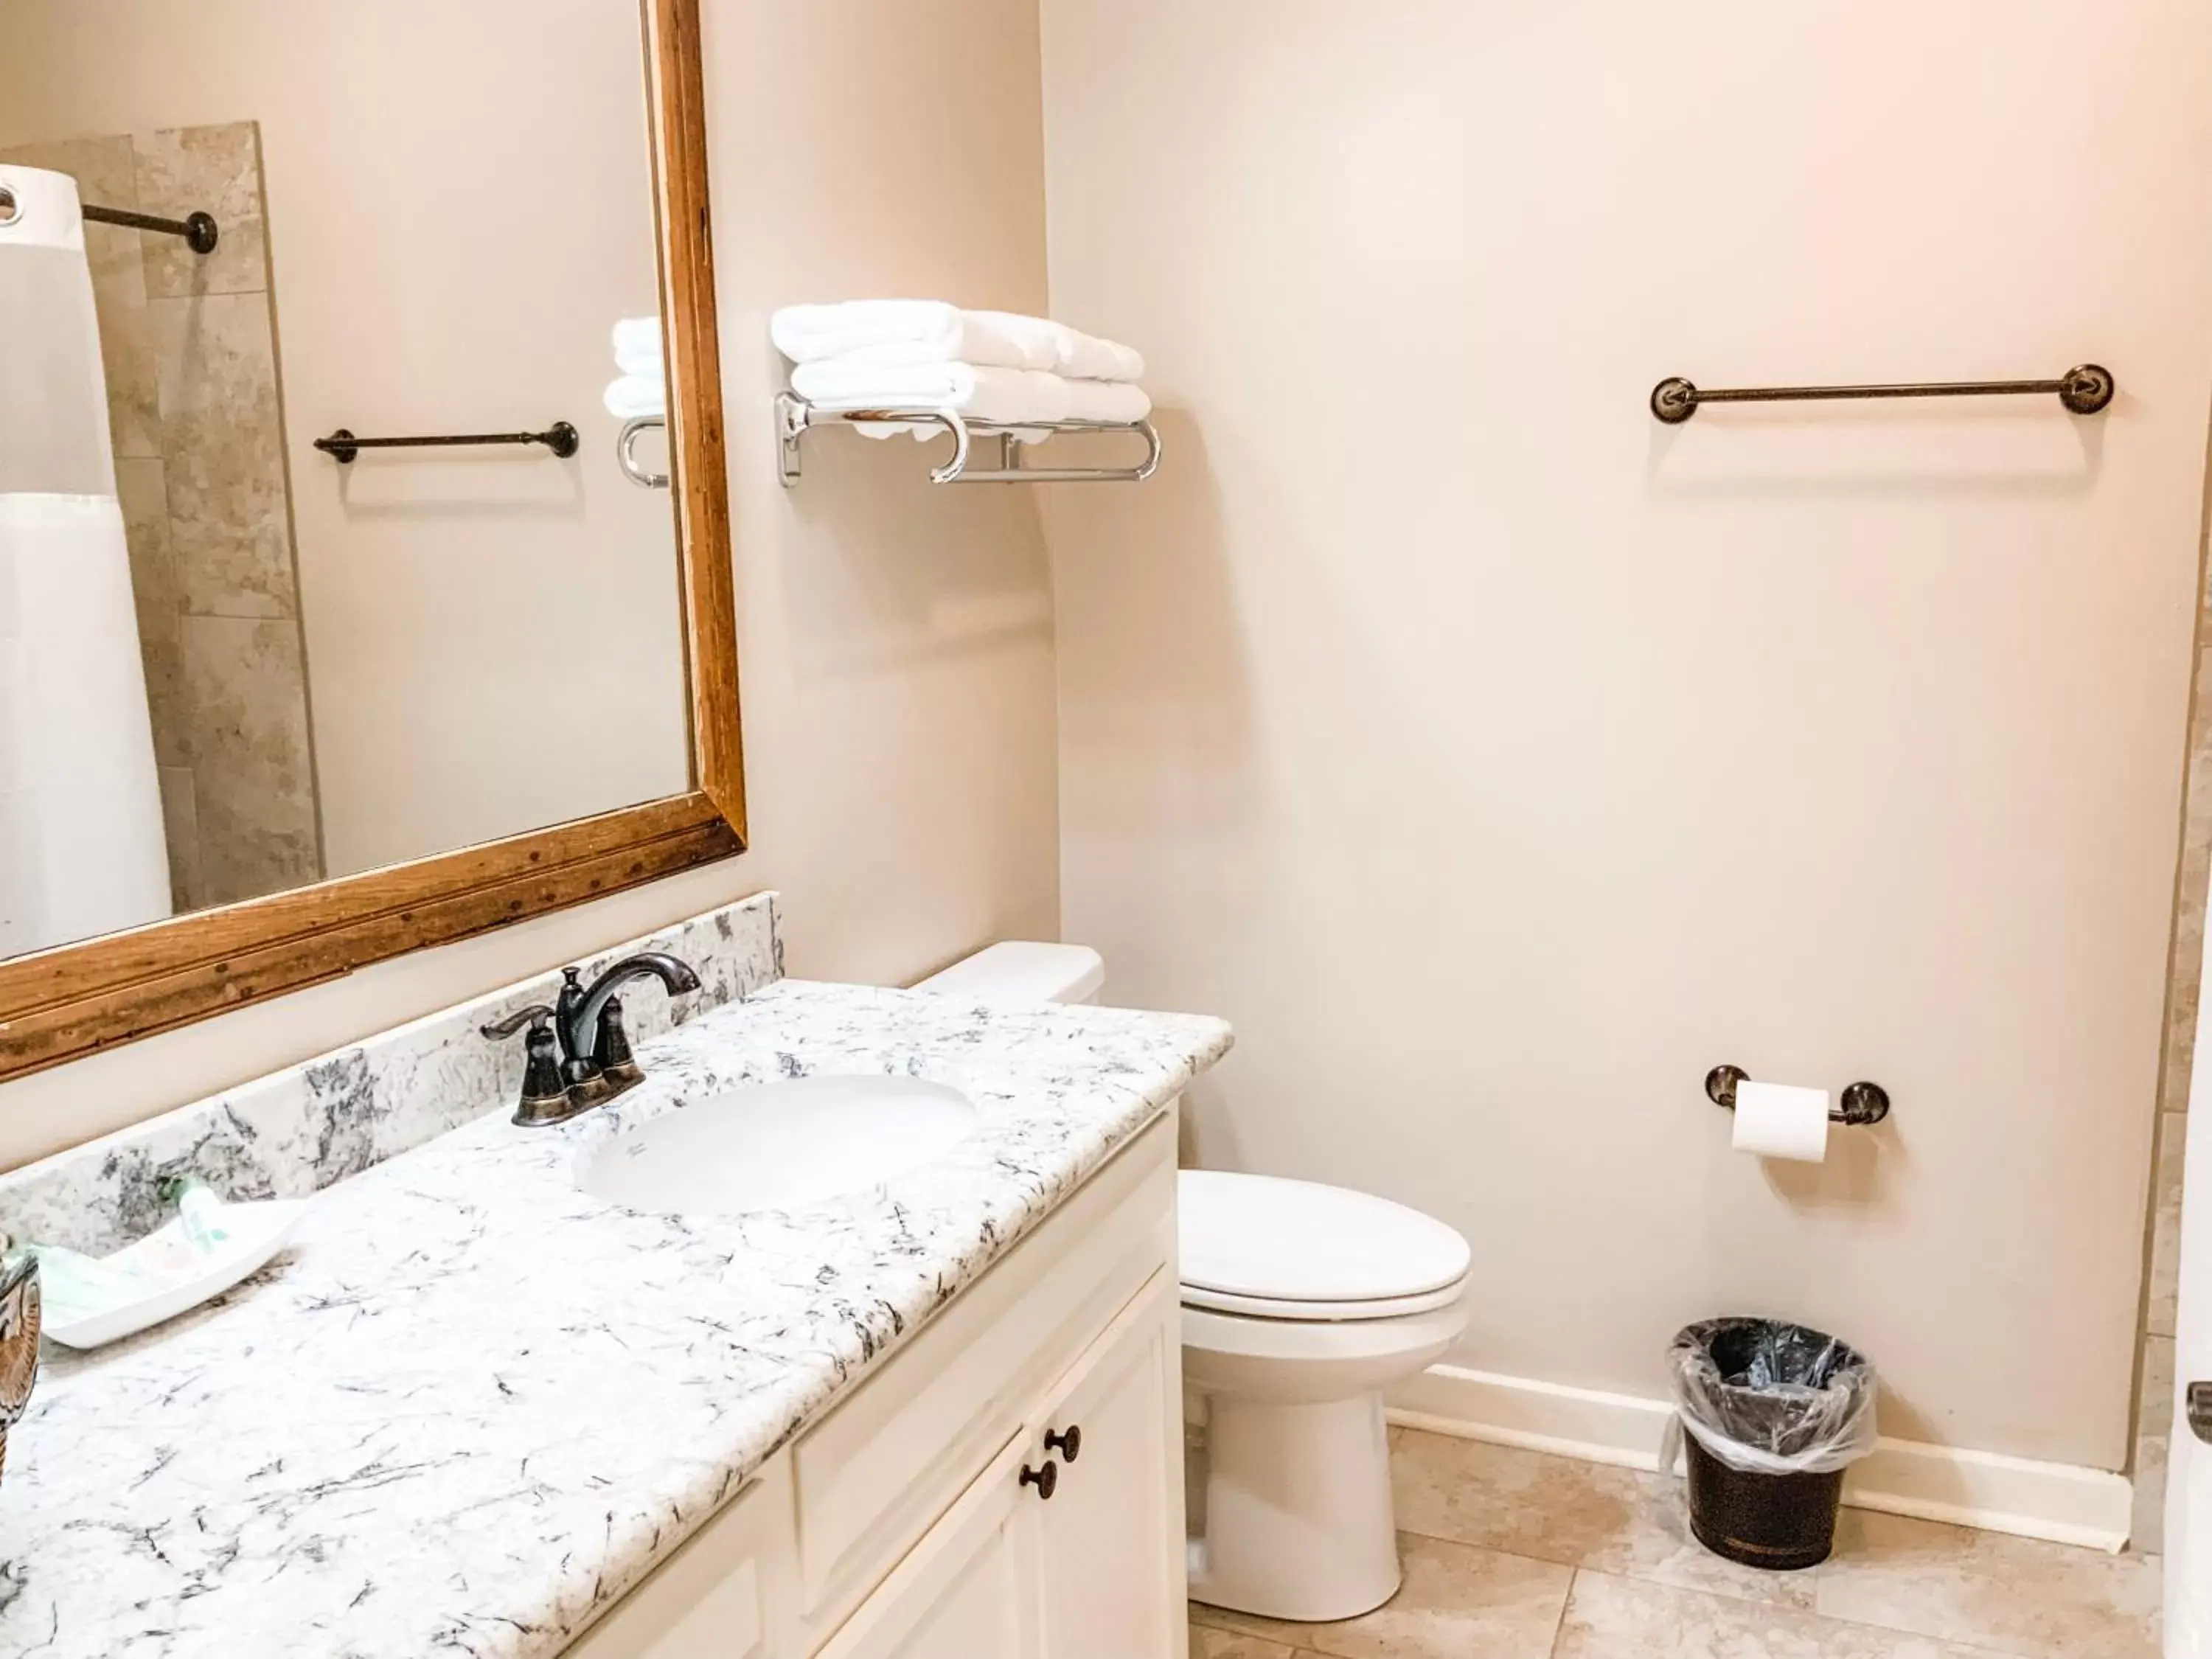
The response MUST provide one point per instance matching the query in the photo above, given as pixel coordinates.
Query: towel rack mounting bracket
(626, 452)
(796, 416)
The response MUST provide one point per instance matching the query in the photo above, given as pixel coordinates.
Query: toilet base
(1298, 1509)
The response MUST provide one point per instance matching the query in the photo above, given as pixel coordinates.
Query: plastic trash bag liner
(1768, 1397)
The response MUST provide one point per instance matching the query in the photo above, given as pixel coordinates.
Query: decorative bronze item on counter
(19, 1341)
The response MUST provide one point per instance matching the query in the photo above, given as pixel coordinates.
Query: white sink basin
(779, 1145)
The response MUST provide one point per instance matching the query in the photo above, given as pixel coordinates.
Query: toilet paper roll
(1780, 1120)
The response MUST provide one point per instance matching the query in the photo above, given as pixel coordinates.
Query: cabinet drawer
(725, 1594)
(874, 1475)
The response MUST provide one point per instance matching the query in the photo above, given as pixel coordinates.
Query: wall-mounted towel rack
(626, 452)
(199, 230)
(794, 416)
(2086, 389)
(343, 447)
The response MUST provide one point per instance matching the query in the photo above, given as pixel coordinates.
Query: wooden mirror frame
(72, 1000)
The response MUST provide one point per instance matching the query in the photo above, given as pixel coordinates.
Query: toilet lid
(1262, 1239)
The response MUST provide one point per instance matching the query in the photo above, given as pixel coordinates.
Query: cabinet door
(878, 1471)
(727, 1594)
(969, 1589)
(1112, 1535)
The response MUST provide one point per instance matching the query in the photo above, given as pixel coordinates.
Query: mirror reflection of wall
(430, 218)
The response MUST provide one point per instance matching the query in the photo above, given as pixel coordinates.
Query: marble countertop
(473, 1405)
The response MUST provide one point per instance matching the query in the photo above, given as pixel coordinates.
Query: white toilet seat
(1274, 1249)
(1354, 1353)
(1260, 1307)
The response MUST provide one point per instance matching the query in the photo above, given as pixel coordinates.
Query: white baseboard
(2057, 1501)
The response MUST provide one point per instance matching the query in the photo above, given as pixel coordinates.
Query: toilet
(1301, 1304)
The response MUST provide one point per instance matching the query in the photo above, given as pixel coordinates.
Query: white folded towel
(1107, 400)
(1088, 357)
(896, 332)
(1008, 397)
(638, 397)
(637, 345)
(1075, 356)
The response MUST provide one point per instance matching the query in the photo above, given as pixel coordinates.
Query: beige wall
(459, 203)
(1498, 760)
(897, 639)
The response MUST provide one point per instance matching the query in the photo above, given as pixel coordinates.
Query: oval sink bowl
(779, 1145)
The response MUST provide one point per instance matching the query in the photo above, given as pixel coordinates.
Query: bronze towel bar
(343, 447)
(2086, 389)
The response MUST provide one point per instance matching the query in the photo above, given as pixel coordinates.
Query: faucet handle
(500, 1030)
(545, 1094)
(612, 1046)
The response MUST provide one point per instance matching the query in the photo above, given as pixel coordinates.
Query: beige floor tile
(1611, 1618)
(2016, 1596)
(1457, 1600)
(1209, 1642)
(1559, 1509)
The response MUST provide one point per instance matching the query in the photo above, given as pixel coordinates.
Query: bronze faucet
(578, 1054)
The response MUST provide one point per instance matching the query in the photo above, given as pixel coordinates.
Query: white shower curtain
(82, 849)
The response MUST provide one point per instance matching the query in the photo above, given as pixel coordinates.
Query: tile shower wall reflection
(2162, 1274)
(189, 347)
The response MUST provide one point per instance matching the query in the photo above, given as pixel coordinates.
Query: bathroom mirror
(346, 606)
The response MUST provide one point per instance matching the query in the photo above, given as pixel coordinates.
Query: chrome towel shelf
(1863, 1104)
(2086, 389)
(794, 416)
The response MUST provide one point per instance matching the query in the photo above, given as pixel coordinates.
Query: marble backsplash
(298, 1130)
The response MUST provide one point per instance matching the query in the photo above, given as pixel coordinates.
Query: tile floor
(1515, 1555)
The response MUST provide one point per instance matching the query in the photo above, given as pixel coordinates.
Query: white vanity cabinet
(912, 1520)
(1113, 1574)
(971, 1589)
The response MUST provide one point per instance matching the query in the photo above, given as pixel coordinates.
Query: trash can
(1774, 1412)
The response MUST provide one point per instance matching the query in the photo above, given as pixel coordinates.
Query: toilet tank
(1016, 971)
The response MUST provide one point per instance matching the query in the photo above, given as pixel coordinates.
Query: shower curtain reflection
(82, 849)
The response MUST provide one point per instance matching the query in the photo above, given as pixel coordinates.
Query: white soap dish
(169, 1272)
